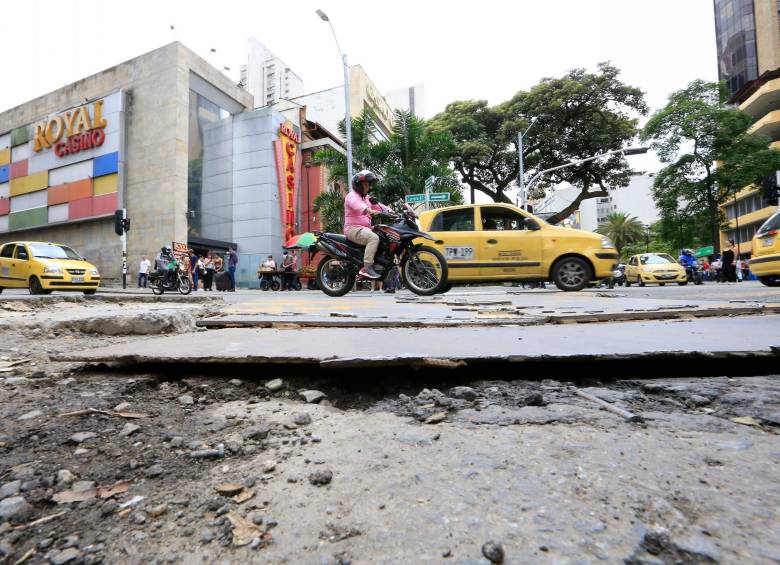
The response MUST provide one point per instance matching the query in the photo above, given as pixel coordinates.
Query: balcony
(768, 125)
(764, 100)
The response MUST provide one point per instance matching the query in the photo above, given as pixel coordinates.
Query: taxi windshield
(51, 251)
(659, 259)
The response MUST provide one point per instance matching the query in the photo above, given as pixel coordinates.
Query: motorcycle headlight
(607, 243)
(94, 272)
(52, 270)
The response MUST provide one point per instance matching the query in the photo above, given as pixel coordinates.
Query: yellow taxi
(654, 268)
(44, 267)
(500, 242)
(765, 256)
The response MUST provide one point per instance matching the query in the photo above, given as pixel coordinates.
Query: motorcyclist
(358, 210)
(162, 262)
(687, 259)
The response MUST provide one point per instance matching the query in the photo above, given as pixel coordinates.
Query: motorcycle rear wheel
(425, 271)
(157, 289)
(334, 278)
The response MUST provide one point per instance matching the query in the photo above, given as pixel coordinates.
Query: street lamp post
(520, 165)
(347, 114)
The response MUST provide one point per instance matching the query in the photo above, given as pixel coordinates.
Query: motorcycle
(160, 281)
(619, 275)
(423, 268)
(694, 274)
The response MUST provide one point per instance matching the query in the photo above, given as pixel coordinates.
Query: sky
(457, 49)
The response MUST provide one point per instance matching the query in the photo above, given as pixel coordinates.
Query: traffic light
(119, 218)
(771, 192)
(126, 224)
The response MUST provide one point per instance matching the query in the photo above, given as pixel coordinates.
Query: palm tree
(330, 206)
(622, 229)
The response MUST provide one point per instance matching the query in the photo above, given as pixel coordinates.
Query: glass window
(46, 251)
(656, 259)
(21, 253)
(735, 32)
(8, 251)
(772, 224)
(454, 220)
(500, 219)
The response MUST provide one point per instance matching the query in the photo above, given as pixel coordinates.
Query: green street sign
(429, 183)
(411, 198)
(704, 251)
(439, 197)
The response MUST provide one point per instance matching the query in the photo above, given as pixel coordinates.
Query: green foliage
(578, 115)
(691, 133)
(622, 229)
(403, 162)
(330, 206)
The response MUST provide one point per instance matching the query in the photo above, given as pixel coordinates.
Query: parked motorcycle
(175, 278)
(619, 275)
(423, 268)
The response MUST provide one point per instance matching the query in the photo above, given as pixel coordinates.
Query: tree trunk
(566, 212)
(712, 205)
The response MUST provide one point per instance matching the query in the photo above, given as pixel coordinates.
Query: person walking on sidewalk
(729, 272)
(232, 264)
(208, 265)
(143, 271)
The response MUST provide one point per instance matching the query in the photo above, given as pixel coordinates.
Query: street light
(626, 151)
(520, 186)
(347, 117)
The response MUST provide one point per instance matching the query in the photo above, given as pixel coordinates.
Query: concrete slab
(336, 347)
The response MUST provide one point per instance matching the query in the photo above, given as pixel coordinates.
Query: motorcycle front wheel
(157, 289)
(185, 287)
(334, 277)
(425, 271)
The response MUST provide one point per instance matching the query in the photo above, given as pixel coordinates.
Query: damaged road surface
(388, 445)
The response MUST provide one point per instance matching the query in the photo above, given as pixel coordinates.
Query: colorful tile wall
(29, 201)
(58, 213)
(19, 169)
(28, 218)
(106, 184)
(105, 204)
(5, 173)
(5, 141)
(5, 206)
(20, 135)
(5, 190)
(105, 164)
(58, 194)
(70, 173)
(30, 183)
(5, 156)
(21, 153)
(81, 208)
(3, 224)
(80, 189)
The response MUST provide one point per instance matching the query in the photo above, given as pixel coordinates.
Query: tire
(265, 285)
(770, 280)
(311, 284)
(35, 286)
(661, 284)
(157, 290)
(682, 283)
(417, 273)
(185, 286)
(275, 286)
(447, 288)
(90, 292)
(333, 278)
(1, 290)
(627, 283)
(298, 285)
(639, 281)
(571, 274)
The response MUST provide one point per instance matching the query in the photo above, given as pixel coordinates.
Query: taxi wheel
(771, 280)
(35, 286)
(1, 290)
(661, 284)
(682, 283)
(90, 292)
(571, 274)
(639, 281)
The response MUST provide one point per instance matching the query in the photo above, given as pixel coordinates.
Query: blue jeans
(232, 276)
(142, 279)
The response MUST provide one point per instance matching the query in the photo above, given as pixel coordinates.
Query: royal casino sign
(287, 163)
(71, 131)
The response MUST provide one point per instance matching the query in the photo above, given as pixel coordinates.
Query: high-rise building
(748, 44)
(748, 40)
(267, 77)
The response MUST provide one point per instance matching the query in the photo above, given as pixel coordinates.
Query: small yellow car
(765, 256)
(44, 267)
(500, 242)
(654, 268)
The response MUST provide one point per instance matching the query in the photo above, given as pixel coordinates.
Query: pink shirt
(355, 215)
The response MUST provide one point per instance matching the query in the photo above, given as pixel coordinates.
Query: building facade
(267, 77)
(409, 99)
(327, 106)
(173, 141)
(748, 44)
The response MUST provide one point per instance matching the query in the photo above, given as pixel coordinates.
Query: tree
(403, 161)
(330, 205)
(579, 115)
(693, 132)
(622, 229)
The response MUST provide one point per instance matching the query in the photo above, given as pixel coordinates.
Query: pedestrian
(219, 263)
(194, 275)
(729, 271)
(186, 264)
(232, 264)
(208, 266)
(143, 271)
(287, 268)
(739, 267)
(705, 266)
(199, 272)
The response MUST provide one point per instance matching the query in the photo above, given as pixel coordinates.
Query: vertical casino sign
(286, 149)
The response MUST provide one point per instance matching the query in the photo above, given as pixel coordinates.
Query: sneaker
(369, 272)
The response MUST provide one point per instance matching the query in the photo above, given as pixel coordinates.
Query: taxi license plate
(768, 241)
(459, 253)
(77, 279)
